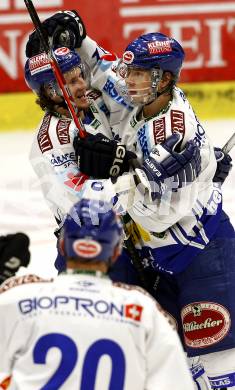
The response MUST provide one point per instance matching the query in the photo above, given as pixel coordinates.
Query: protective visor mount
(146, 92)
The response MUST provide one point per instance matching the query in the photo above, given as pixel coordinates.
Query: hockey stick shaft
(55, 67)
(229, 144)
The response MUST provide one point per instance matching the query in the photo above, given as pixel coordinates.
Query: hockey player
(53, 155)
(80, 331)
(14, 253)
(184, 235)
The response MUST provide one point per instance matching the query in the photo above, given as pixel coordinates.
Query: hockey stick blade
(55, 67)
(229, 144)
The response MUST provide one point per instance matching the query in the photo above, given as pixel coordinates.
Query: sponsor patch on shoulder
(62, 131)
(177, 122)
(159, 130)
(204, 323)
(43, 137)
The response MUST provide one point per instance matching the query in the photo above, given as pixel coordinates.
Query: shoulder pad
(20, 280)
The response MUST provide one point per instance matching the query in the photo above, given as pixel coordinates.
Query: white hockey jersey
(167, 233)
(83, 332)
(53, 157)
(170, 232)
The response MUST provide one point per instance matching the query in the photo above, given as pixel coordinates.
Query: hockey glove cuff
(224, 166)
(165, 169)
(102, 158)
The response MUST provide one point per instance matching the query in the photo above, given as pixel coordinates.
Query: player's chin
(82, 102)
(138, 100)
(141, 99)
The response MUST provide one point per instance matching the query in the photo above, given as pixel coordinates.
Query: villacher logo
(205, 323)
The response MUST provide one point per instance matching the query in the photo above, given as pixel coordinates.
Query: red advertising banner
(206, 30)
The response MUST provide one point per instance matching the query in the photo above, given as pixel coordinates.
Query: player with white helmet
(81, 331)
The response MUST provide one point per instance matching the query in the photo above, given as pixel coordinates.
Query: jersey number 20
(69, 358)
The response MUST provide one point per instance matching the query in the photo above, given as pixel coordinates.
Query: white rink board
(22, 207)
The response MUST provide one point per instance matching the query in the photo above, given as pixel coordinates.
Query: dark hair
(46, 103)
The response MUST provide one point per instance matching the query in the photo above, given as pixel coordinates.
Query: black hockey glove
(165, 169)
(14, 253)
(224, 165)
(66, 29)
(102, 158)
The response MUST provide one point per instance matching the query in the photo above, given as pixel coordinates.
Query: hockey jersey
(83, 332)
(169, 232)
(53, 156)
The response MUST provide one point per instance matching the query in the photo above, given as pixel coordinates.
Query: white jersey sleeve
(53, 159)
(53, 156)
(91, 52)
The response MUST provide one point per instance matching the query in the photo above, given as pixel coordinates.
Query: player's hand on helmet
(14, 253)
(166, 169)
(66, 28)
(102, 158)
(224, 165)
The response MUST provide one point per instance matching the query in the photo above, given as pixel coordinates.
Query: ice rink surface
(22, 207)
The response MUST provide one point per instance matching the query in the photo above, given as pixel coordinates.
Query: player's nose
(81, 87)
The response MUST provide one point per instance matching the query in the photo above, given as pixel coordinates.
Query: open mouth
(82, 98)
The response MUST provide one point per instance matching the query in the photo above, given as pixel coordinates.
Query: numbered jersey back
(78, 332)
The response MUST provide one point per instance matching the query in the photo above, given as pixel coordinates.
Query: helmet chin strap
(156, 78)
(157, 94)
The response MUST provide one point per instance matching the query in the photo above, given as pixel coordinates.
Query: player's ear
(166, 79)
(116, 253)
(61, 247)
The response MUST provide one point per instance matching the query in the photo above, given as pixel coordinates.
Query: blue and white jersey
(83, 332)
(171, 230)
